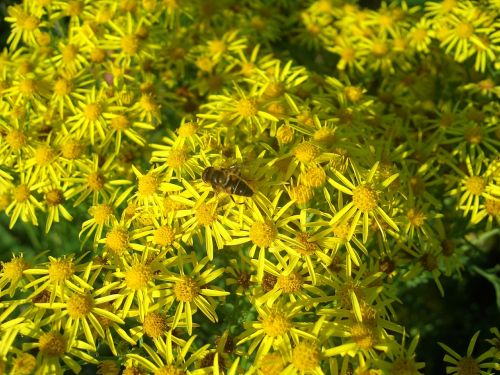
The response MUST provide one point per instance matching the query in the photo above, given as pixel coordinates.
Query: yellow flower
(192, 292)
(468, 364)
(365, 200)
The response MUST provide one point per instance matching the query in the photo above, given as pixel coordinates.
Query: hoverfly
(227, 180)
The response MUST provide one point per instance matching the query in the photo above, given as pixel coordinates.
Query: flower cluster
(251, 180)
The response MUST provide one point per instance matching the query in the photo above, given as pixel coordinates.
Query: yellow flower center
(170, 205)
(169, 370)
(16, 139)
(204, 63)
(285, 134)
(492, 207)
(24, 67)
(385, 20)
(247, 69)
(92, 111)
(52, 344)
(97, 55)
(416, 217)
(353, 93)
(468, 366)
(60, 270)
(474, 135)
(101, 213)
(271, 364)
(79, 305)
(399, 44)
(177, 158)
(217, 47)
(75, 8)
(403, 366)
(263, 233)
(186, 289)
(71, 149)
(324, 135)
(138, 276)
(448, 5)
(30, 23)
(54, 197)
(4, 201)
(247, 107)
(129, 44)
(148, 185)
(187, 129)
(305, 118)
(464, 30)
(21, 193)
(486, 84)
(43, 39)
(44, 155)
(301, 194)
(348, 55)
(314, 29)
(13, 270)
(306, 356)
(69, 53)
(364, 335)
(129, 5)
(120, 123)
(62, 87)
(307, 247)
(274, 90)
(95, 181)
(155, 325)
(117, 240)
(475, 185)
(364, 198)
(291, 283)
(276, 324)
(28, 87)
(341, 230)
(276, 109)
(379, 49)
(206, 213)
(313, 176)
(148, 104)
(419, 35)
(164, 236)
(24, 364)
(306, 152)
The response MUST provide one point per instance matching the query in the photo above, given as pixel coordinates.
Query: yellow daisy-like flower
(82, 312)
(194, 292)
(474, 187)
(60, 277)
(55, 347)
(465, 31)
(164, 360)
(365, 201)
(275, 329)
(93, 115)
(24, 202)
(25, 26)
(468, 364)
(96, 179)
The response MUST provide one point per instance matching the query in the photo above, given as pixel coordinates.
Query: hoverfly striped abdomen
(227, 180)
